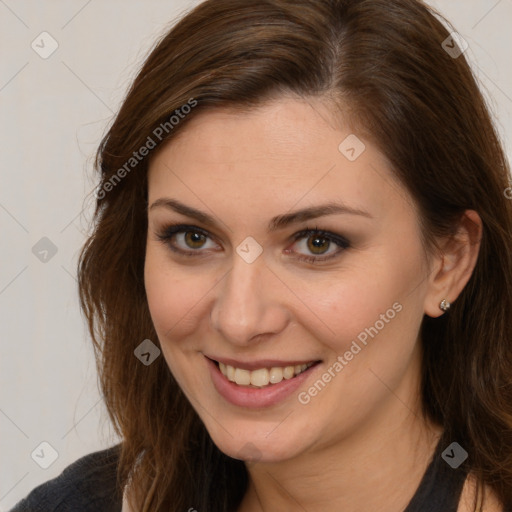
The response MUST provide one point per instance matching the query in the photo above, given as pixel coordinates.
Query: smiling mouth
(262, 377)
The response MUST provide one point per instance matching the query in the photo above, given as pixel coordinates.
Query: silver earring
(445, 305)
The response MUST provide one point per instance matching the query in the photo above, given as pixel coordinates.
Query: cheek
(345, 305)
(377, 298)
(174, 300)
(175, 294)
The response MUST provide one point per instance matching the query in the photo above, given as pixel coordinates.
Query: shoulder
(468, 498)
(88, 484)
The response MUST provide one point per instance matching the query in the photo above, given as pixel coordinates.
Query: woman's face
(234, 285)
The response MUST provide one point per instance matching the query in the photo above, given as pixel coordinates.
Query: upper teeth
(262, 376)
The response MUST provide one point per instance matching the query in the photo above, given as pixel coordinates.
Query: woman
(298, 285)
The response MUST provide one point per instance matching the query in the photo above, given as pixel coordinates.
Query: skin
(363, 433)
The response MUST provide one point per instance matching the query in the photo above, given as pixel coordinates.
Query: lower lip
(255, 398)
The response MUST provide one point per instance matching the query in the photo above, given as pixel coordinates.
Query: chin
(253, 441)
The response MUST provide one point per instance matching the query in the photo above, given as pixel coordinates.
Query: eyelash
(168, 233)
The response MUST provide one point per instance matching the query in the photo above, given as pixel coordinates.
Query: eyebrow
(276, 223)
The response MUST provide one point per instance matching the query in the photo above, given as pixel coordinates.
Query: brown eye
(317, 244)
(194, 240)
(187, 240)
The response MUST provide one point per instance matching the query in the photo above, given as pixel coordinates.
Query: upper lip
(260, 363)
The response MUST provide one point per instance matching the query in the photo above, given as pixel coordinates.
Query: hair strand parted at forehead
(381, 64)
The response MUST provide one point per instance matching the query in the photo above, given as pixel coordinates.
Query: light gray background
(54, 112)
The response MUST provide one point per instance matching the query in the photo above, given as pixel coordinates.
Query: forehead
(286, 151)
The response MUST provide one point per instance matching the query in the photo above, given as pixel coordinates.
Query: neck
(378, 466)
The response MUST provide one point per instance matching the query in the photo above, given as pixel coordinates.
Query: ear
(453, 266)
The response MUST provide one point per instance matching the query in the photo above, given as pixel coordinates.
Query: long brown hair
(420, 105)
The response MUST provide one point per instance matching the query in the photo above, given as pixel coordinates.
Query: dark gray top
(89, 484)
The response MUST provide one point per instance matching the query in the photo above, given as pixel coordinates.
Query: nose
(249, 303)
